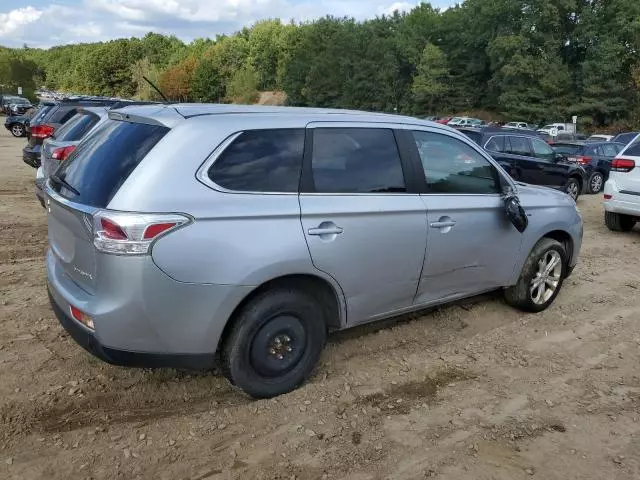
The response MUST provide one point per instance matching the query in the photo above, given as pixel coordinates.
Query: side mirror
(515, 213)
(558, 157)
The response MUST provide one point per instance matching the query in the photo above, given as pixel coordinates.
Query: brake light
(584, 160)
(42, 131)
(82, 317)
(63, 153)
(622, 165)
(132, 233)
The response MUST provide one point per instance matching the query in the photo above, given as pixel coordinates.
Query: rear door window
(496, 144)
(520, 146)
(104, 160)
(261, 161)
(567, 149)
(76, 127)
(41, 113)
(356, 160)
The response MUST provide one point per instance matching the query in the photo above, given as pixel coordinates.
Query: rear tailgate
(84, 185)
(628, 180)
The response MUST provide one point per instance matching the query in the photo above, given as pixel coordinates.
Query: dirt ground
(471, 391)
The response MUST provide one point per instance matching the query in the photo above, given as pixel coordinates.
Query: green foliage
(243, 85)
(431, 81)
(530, 60)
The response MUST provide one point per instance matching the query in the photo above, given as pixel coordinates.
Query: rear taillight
(63, 153)
(42, 131)
(82, 317)
(581, 160)
(132, 233)
(622, 165)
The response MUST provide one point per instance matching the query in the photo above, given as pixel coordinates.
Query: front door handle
(445, 224)
(329, 230)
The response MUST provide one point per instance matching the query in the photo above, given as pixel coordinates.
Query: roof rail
(127, 103)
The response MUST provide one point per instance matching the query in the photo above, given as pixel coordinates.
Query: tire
(596, 182)
(524, 295)
(262, 331)
(617, 222)
(17, 130)
(573, 188)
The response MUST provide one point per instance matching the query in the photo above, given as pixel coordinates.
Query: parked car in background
(432, 118)
(390, 215)
(17, 125)
(625, 137)
(622, 190)
(528, 158)
(600, 138)
(64, 141)
(51, 116)
(517, 125)
(594, 157)
(554, 129)
(7, 100)
(444, 120)
(464, 122)
(20, 108)
(570, 137)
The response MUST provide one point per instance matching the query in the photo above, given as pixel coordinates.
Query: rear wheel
(616, 222)
(573, 188)
(17, 130)
(541, 277)
(596, 182)
(274, 343)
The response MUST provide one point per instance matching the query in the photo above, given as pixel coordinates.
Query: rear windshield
(566, 149)
(104, 160)
(41, 113)
(77, 127)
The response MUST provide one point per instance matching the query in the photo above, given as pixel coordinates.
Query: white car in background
(622, 190)
(599, 138)
(518, 125)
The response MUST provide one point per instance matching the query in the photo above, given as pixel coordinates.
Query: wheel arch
(329, 296)
(557, 234)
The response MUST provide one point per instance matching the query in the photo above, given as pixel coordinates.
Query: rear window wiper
(64, 183)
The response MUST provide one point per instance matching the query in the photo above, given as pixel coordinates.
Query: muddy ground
(471, 391)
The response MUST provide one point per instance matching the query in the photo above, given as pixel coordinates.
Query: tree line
(530, 60)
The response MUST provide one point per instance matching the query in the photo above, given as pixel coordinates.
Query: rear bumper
(85, 338)
(31, 155)
(137, 309)
(622, 201)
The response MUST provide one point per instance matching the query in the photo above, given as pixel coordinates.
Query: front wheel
(596, 182)
(541, 277)
(274, 343)
(573, 188)
(17, 130)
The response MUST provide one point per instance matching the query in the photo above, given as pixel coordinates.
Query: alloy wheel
(547, 278)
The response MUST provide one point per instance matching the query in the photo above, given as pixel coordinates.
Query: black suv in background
(51, 116)
(530, 159)
(594, 157)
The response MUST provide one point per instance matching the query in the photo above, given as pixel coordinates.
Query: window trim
(307, 185)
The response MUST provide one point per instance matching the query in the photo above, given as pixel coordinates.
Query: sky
(44, 23)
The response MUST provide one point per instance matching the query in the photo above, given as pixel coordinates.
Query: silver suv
(180, 232)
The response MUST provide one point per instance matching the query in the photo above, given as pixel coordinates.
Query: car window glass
(261, 161)
(496, 144)
(77, 127)
(592, 150)
(633, 150)
(452, 166)
(356, 160)
(475, 136)
(541, 149)
(566, 149)
(519, 146)
(41, 113)
(62, 114)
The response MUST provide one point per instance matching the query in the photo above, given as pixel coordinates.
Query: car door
(525, 167)
(553, 172)
(471, 245)
(363, 224)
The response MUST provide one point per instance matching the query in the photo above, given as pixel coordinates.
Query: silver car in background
(183, 233)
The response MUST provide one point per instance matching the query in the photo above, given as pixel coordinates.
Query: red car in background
(444, 120)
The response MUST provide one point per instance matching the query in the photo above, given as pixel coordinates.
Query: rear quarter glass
(105, 159)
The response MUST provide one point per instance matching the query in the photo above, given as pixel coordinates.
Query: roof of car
(171, 114)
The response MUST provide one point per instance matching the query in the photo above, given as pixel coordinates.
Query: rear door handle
(326, 231)
(449, 223)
